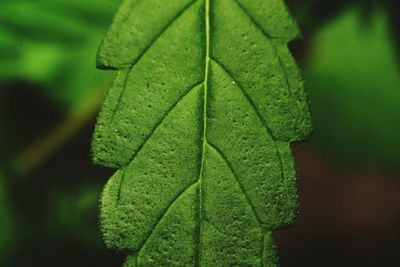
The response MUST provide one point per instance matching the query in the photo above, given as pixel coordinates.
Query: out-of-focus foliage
(354, 86)
(53, 43)
(314, 13)
(7, 223)
(73, 210)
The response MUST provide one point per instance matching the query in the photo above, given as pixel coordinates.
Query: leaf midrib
(205, 84)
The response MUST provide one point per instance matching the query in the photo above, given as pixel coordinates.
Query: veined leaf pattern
(198, 122)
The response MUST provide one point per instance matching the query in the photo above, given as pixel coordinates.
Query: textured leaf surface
(199, 120)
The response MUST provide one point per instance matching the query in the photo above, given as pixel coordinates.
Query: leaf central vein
(204, 137)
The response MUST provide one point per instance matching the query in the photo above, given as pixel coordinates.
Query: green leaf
(199, 121)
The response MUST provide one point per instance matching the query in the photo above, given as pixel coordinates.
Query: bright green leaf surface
(199, 122)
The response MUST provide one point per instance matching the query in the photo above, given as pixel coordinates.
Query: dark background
(50, 93)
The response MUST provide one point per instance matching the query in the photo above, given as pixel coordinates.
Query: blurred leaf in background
(53, 43)
(48, 50)
(73, 210)
(7, 223)
(354, 86)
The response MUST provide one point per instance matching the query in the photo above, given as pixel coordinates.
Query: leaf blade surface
(199, 125)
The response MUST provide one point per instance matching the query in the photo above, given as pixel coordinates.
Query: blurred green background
(50, 93)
